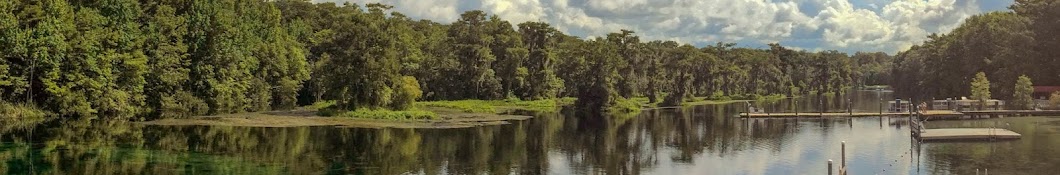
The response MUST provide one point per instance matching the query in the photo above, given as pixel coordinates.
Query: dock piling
(829, 166)
(844, 155)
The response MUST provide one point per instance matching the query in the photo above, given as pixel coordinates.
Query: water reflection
(691, 140)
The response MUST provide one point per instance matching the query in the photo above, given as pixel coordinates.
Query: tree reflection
(577, 144)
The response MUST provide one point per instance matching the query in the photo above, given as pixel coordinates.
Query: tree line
(1004, 46)
(177, 58)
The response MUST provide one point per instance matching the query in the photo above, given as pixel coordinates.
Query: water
(693, 140)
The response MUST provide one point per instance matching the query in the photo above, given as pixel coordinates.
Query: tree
(680, 71)
(471, 42)
(627, 44)
(1021, 98)
(597, 94)
(1042, 16)
(980, 88)
(541, 40)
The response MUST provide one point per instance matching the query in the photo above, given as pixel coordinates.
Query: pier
(952, 134)
(927, 115)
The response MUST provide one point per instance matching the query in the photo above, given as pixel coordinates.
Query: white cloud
(811, 24)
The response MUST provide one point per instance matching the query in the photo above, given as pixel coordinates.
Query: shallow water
(693, 140)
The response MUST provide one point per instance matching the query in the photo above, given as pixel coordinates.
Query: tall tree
(541, 40)
(471, 42)
(980, 88)
(1021, 98)
(627, 44)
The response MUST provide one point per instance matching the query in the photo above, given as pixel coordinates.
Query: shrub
(408, 91)
(1054, 100)
(182, 104)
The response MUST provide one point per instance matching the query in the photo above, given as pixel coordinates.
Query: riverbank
(301, 118)
(442, 114)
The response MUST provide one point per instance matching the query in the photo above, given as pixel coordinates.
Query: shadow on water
(690, 140)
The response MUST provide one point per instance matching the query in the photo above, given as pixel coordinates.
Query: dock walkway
(930, 114)
(968, 134)
(847, 114)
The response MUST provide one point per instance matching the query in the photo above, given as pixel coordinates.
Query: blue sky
(845, 25)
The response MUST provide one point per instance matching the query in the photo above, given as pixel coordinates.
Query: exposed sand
(300, 118)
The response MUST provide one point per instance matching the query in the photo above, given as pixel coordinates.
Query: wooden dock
(847, 114)
(952, 134)
(928, 115)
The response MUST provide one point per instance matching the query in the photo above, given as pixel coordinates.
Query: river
(705, 139)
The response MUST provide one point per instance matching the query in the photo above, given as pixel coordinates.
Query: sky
(846, 25)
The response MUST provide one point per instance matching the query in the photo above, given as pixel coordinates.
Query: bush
(1054, 100)
(182, 104)
(408, 91)
(623, 105)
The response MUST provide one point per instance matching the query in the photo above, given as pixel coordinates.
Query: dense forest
(1003, 45)
(130, 59)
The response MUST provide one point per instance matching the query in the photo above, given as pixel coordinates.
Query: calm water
(692, 140)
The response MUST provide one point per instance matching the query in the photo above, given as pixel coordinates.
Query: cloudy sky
(846, 25)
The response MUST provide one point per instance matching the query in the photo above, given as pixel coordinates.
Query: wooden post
(850, 110)
(881, 107)
(820, 108)
(829, 166)
(843, 164)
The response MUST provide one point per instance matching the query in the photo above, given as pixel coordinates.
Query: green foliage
(471, 36)
(625, 106)
(131, 59)
(541, 40)
(1000, 44)
(389, 115)
(18, 111)
(1022, 98)
(1054, 100)
(596, 94)
(321, 105)
(469, 106)
(980, 87)
(407, 92)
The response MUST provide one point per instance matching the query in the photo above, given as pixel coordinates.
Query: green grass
(689, 102)
(325, 108)
(494, 106)
(706, 101)
(19, 111)
(411, 114)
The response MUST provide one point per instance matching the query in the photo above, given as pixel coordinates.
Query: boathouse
(1043, 92)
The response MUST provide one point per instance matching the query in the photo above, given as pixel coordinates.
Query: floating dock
(954, 134)
(937, 113)
(928, 115)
